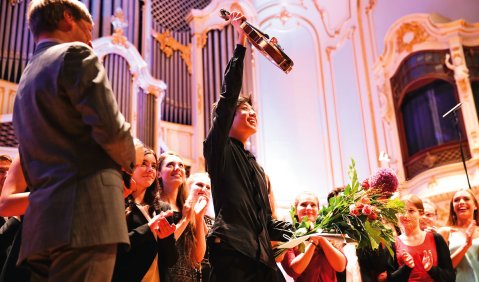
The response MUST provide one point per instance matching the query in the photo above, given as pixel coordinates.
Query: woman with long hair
(189, 209)
(321, 259)
(152, 239)
(462, 235)
(419, 255)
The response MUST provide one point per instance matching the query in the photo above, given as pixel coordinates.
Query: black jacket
(131, 266)
(243, 215)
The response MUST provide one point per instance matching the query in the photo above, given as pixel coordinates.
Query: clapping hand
(201, 206)
(407, 259)
(427, 260)
(160, 225)
(198, 201)
(469, 233)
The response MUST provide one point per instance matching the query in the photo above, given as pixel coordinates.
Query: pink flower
(384, 179)
(353, 210)
(366, 209)
(359, 205)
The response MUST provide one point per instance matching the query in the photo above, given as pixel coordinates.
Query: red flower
(367, 210)
(353, 210)
(373, 216)
(365, 184)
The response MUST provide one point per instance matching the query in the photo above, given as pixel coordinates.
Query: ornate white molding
(138, 67)
(421, 32)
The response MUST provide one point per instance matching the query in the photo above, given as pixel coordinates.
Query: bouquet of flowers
(364, 212)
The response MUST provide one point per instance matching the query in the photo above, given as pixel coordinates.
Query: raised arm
(223, 114)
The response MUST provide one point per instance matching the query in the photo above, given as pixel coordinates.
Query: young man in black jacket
(240, 239)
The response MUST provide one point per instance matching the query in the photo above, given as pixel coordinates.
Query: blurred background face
(145, 172)
(410, 218)
(307, 207)
(429, 218)
(202, 183)
(4, 166)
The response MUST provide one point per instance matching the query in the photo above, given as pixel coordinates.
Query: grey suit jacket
(73, 141)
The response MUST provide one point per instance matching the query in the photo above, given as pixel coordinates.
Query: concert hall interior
(371, 81)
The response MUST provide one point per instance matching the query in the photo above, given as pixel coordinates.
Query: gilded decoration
(168, 45)
(408, 35)
(119, 23)
(199, 96)
(202, 38)
(153, 90)
(371, 5)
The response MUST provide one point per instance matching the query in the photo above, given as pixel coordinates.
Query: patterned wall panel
(102, 10)
(146, 118)
(172, 14)
(16, 42)
(173, 70)
(120, 77)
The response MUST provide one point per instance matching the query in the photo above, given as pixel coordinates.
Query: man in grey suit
(73, 142)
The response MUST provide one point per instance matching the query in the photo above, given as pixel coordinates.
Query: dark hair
(452, 220)
(241, 100)
(335, 192)
(45, 15)
(151, 197)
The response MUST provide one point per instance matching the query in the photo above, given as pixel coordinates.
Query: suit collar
(42, 45)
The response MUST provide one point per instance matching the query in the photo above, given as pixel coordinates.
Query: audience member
(429, 218)
(321, 258)
(462, 234)
(189, 210)
(419, 255)
(201, 181)
(152, 241)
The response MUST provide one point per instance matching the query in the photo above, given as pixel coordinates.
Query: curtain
(422, 112)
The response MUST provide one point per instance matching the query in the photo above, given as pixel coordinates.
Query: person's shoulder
(77, 49)
(444, 230)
